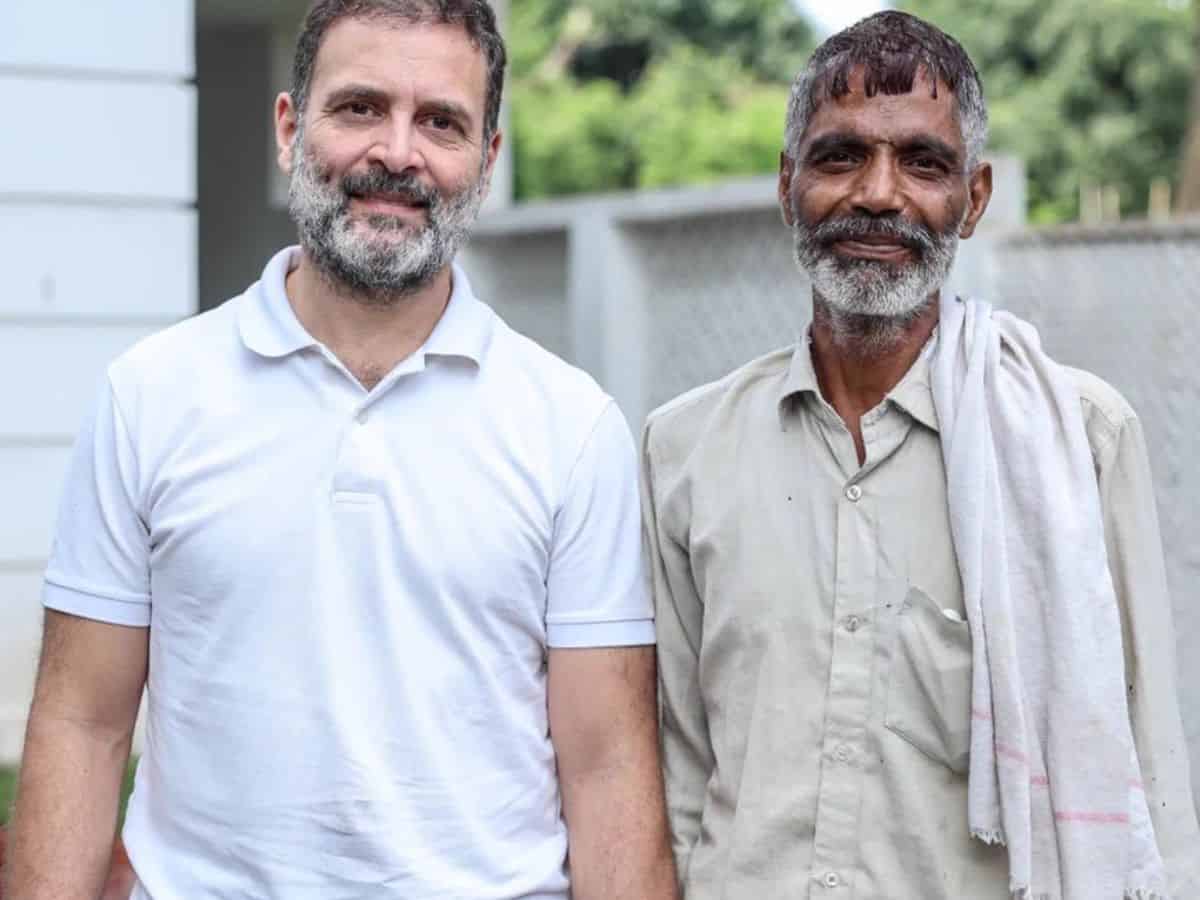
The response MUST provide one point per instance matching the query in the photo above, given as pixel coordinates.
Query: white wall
(97, 247)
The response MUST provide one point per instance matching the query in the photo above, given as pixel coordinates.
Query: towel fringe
(1023, 893)
(993, 838)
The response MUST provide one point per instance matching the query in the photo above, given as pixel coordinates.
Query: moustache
(389, 186)
(852, 228)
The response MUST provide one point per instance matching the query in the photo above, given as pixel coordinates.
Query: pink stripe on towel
(1012, 753)
(1093, 818)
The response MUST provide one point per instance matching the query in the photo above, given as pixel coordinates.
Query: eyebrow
(845, 141)
(353, 92)
(838, 141)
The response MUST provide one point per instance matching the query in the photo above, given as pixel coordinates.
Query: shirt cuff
(623, 633)
(87, 605)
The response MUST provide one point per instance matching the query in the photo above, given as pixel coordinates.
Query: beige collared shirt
(815, 662)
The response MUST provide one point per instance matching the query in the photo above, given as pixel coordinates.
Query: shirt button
(831, 879)
(854, 493)
(842, 754)
(853, 623)
(362, 417)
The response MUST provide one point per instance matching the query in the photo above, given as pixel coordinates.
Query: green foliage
(8, 791)
(570, 137)
(696, 119)
(613, 94)
(766, 37)
(1085, 91)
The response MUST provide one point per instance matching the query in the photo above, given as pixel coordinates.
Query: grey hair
(891, 48)
(476, 17)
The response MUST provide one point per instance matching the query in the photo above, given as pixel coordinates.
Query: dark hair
(475, 16)
(891, 48)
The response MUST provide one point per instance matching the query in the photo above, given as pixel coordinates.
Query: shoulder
(713, 411)
(167, 375)
(1106, 413)
(176, 350)
(532, 378)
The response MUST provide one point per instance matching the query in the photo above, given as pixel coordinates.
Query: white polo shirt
(350, 597)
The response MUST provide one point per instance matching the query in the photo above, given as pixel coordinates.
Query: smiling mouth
(887, 249)
(389, 204)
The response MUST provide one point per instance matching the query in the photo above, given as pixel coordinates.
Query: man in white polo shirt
(375, 556)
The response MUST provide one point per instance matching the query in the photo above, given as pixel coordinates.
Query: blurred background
(632, 226)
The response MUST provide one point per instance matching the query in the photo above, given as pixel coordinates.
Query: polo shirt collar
(267, 322)
(914, 393)
(465, 328)
(269, 326)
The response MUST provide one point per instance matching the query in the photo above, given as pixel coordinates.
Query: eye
(442, 123)
(358, 109)
(928, 165)
(834, 160)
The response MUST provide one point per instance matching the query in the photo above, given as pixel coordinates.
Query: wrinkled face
(388, 165)
(877, 197)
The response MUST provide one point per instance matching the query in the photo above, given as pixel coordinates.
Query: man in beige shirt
(814, 655)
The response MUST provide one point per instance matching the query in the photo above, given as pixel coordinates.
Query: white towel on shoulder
(1054, 773)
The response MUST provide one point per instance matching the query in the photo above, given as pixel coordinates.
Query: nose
(878, 190)
(397, 148)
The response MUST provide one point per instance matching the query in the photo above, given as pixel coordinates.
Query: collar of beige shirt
(913, 394)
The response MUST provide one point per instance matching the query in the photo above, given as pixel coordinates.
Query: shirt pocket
(929, 682)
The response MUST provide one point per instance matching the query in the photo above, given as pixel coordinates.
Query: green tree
(610, 94)
(1085, 91)
(696, 118)
(1189, 175)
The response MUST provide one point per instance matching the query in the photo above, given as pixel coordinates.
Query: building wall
(97, 247)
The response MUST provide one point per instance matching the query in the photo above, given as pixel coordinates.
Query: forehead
(888, 117)
(391, 54)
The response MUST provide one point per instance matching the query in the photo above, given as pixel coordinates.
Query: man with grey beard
(375, 556)
(914, 635)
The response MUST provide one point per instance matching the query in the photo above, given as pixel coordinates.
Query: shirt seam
(583, 447)
(1109, 438)
(127, 438)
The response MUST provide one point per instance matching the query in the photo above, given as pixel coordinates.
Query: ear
(493, 151)
(287, 122)
(979, 193)
(786, 169)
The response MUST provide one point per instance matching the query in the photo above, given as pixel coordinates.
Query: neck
(859, 359)
(370, 335)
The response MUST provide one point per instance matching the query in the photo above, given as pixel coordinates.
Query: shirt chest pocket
(929, 681)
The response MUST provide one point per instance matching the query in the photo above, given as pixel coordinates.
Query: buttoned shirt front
(351, 595)
(814, 655)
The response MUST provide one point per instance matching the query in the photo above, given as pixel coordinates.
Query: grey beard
(381, 268)
(871, 304)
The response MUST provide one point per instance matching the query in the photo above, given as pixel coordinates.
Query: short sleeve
(597, 588)
(99, 564)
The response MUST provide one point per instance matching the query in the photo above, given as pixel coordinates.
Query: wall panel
(97, 264)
